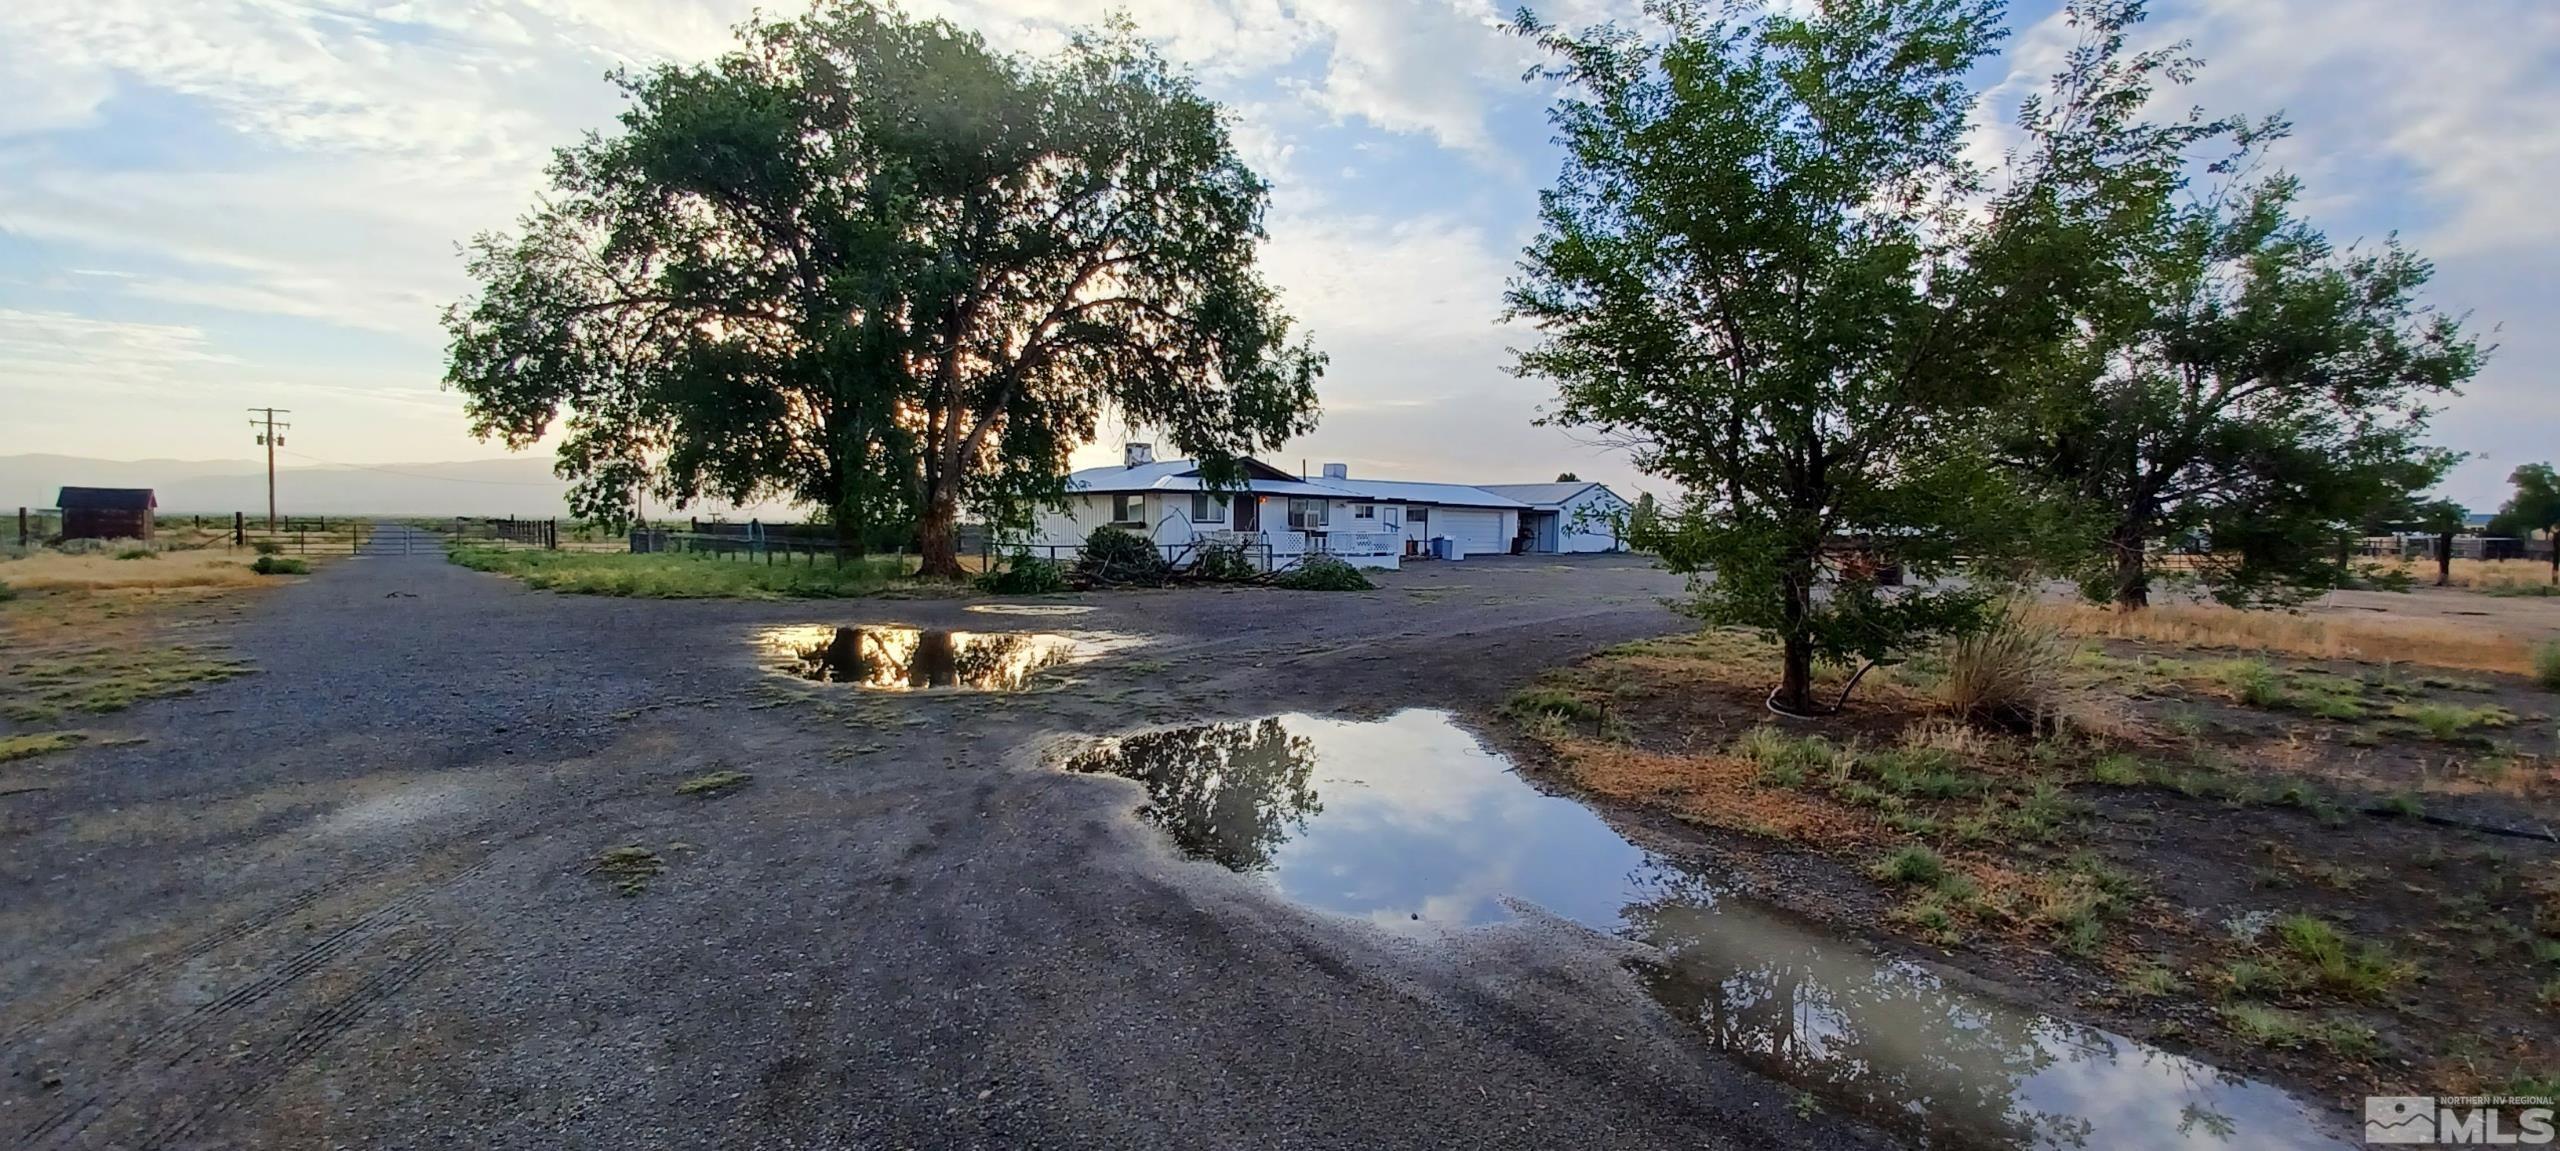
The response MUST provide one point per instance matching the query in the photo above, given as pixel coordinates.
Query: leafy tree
(2234, 387)
(1751, 274)
(2535, 506)
(866, 262)
(1567, 478)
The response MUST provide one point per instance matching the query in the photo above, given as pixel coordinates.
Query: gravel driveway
(345, 902)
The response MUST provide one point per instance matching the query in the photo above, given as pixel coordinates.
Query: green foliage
(137, 553)
(7, 593)
(2535, 506)
(1114, 556)
(1024, 574)
(1324, 573)
(1224, 563)
(2546, 663)
(1750, 272)
(1786, 760)
(1548, 702)
(279, 565)
(869, 263)
(683, 575)
(1911, 863)
(2232, 385)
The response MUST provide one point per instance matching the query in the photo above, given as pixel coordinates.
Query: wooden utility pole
(270, 435)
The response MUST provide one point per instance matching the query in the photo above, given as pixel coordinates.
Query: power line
(272, 438)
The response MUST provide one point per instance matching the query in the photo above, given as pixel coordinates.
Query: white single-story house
(1282, 518)
(1566, 517)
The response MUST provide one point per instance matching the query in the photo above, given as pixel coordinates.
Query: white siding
(1584, 524)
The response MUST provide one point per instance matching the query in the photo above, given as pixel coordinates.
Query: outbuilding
(1572, 516)
(107, 513)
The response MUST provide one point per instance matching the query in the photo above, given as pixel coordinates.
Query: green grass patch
(17, 747)
(628, 869)
(95, 682)
(1912, 864)
(688, 575)
(716, 781)
(2293, 1030)
(2447, 722)
(1786, 760)
(2326, 959)
(2546, 664)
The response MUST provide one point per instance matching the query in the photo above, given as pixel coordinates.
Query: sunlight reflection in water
(1412, 824)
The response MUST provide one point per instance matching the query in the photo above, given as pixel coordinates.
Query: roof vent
(1337, 471)
(1137, 455)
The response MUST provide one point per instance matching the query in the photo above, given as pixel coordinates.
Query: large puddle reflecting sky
(1412, 824)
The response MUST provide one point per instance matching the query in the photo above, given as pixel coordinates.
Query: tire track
(182, 1037)
(170, 961)
(315, 1031)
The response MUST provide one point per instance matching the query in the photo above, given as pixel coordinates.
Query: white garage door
(1477, 533)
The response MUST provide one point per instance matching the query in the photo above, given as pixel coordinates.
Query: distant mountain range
(522, 486)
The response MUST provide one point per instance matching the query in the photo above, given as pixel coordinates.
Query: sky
(207, 205)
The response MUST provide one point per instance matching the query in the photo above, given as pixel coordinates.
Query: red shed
(107, 513)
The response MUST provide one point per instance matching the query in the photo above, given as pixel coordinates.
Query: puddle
(1411, 824)
(1032, 609)
(891, 658)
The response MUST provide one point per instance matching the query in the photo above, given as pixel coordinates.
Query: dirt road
(348, 901)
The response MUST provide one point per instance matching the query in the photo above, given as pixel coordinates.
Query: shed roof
(1549, 495)
(116, 499)
(1409, 492)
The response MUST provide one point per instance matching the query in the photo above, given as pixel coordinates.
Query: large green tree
(868, 263)
(2233, 387)
(1753, 273)
(2535, 504)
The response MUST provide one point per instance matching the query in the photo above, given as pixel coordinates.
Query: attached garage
(1570, 516)
(1477, 532)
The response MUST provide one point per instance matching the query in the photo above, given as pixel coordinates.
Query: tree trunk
(2444, 559)
(2551, 535)
(2133, 568)
(938, 538)
(1795, 684)
(849, 529)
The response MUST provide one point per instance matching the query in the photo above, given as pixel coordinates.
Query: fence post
(239, 528)
(22, 526)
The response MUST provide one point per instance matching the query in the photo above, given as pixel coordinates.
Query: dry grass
(101, 570)
(2435, 643)
(2476, 575)
(1716, 790)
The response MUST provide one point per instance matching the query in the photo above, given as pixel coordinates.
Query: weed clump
(2005, 674)
(2546, 662)
(268, 564)
(628, 869)
(1025, 574)
(1324, 573)
(713, 782)
(1783, 759)
(1912, 864)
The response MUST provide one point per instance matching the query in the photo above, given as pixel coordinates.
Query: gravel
(348, 901)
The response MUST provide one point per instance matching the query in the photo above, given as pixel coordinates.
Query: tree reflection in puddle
(912, 659)
(1410, 823)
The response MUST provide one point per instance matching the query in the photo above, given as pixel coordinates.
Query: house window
(1208, 510)
(1307, 515)
(1129, 510)
(1420, 516)
(1364, 511)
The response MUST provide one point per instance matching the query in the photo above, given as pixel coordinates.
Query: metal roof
(1409, 492)
(120, 499)
(1546, 495)
(1184, 476)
